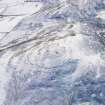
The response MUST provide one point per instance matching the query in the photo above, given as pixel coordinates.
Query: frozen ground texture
(52, 52)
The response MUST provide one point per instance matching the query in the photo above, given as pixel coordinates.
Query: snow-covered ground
(52, 52)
